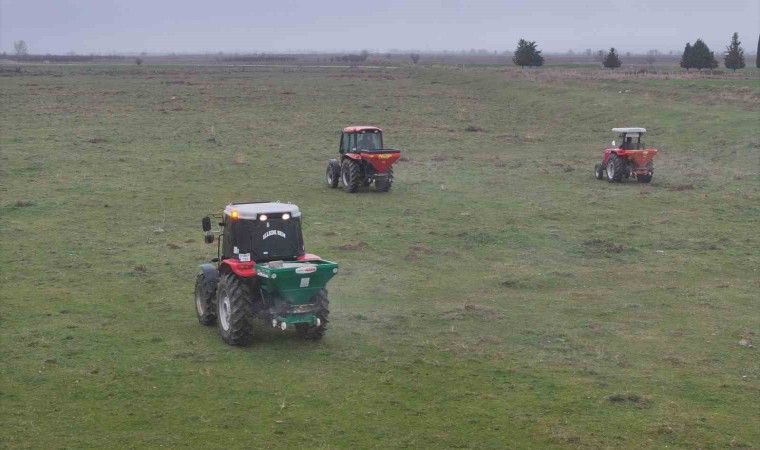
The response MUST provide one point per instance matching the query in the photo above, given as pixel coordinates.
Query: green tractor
(262, 271)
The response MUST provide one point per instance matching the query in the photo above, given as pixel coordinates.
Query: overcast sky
(106, 26)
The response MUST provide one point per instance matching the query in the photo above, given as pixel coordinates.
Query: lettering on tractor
(256, 277)
(630, 159)
(274, 233)
(363, 160)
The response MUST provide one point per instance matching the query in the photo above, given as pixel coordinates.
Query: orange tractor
(363, 160)
(631, 158)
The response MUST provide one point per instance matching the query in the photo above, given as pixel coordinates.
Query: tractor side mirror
(612, 144)
(209, 237)
(206, 223)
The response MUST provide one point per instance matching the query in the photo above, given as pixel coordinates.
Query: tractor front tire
(598, 171)
(205, 308)
(235, 310)
(310, 332)
(350, 175)
(384, 184)
(333, 173)
(614, 168)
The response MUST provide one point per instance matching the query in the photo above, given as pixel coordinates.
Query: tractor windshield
(369, 141)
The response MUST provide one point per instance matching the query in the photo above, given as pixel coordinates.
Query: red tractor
(363, 160)
(630, 158)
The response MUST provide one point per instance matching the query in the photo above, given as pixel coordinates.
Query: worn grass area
(502, 296)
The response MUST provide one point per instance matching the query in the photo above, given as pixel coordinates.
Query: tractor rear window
(369, 141)
(273, 239)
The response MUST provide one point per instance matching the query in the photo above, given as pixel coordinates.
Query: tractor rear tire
(235, 310)
(310, 332)
(205, 308)
(615, 168)
(350, 175)
(333, 173)
(598, 171)
(384, 184)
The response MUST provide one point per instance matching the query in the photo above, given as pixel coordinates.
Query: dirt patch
(174, 246)
(140, 269)
(563, 167)
(474, 129)
(96, 140)
(681, 187)
(23, 203)
(629, 398)
(439, 158)
(423, 250)
(604, 246)
(411, 257)
(331, 233)
(475, 310)
(354, 246)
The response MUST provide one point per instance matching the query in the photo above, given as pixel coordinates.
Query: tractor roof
(629, 130)
(250, 211)
(360, 128)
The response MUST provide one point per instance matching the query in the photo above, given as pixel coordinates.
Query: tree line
(697, 56)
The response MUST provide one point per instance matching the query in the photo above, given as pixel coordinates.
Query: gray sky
(105, 26)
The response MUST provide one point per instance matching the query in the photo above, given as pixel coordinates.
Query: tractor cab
(258, 232)
(261, 232)
(357, 138)
(630, 138)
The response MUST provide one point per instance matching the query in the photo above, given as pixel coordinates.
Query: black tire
(310, 332)
(648, 177)
(384, 184)
(333, 174)
(205, 306)
(234, 310)
(614, 168)
(644, 178)
(350, 175)
(598, 171)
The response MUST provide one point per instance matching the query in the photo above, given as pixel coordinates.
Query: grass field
(497, 297)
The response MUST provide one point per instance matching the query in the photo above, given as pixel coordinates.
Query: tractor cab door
(347, 143)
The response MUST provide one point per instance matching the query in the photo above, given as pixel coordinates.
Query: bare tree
(651, 57)
(138, 61)
(599, 55)
(415, 57)
(20, 48)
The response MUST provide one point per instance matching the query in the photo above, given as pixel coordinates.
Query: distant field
(497, 297)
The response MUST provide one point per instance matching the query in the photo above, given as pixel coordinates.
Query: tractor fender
(354, 156)
(334, 164)
(210, 277)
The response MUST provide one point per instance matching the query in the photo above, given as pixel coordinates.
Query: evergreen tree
(526, 54)
(757, 57)
(703, 58)
(734, 58)
(687, 59)
(611, 61)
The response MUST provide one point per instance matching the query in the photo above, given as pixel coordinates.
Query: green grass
(505, 297)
